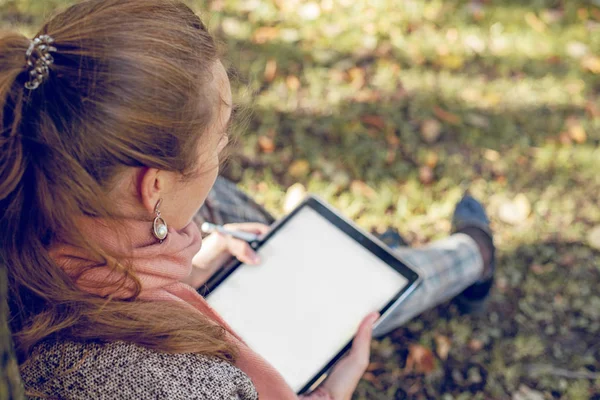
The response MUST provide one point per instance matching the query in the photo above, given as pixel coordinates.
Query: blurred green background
(389, 110)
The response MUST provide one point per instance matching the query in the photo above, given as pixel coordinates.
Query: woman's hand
(342, 381)
(218, 248)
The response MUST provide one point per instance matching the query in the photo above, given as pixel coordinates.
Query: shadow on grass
(540, 330)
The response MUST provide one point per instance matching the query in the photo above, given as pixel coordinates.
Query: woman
(113, 121)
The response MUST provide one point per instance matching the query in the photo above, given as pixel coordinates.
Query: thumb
(361, 345)
(344, 377)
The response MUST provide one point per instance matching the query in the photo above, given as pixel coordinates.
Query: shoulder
(122, 370)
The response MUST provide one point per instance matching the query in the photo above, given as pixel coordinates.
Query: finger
(242, 251)
(252, 227)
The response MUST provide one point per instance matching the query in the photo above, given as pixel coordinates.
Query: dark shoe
(392, 238)
(470, 216)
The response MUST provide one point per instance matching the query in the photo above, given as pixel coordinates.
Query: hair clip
(38, 60)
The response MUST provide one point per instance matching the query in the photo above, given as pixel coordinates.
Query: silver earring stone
(160, 230)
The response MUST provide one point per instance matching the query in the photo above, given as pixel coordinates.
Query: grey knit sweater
(71, 370)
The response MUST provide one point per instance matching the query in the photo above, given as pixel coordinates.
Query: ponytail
(12, 66)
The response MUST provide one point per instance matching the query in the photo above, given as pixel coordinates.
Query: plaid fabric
(447, 266)
(227, 204)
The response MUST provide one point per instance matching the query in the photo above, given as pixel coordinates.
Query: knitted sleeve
(125, 371)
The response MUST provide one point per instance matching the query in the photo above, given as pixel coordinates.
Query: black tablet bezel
(365, 239)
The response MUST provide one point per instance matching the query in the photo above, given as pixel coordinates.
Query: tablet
(300, 308)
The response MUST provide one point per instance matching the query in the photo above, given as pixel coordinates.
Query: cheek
(200, 187)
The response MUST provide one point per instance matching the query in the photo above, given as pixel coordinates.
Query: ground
(389, 110)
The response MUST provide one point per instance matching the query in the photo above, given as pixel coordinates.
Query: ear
(150, 187)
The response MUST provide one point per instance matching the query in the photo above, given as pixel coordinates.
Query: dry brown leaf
(357, 77)
(265, 34)
(360, 188)
(446, 116)
(442, 346)
(577, 133)
(534, 22)
(373, 120)
(266, 144)
(431, 130)
(299, 168)
(426, 175)
(591, 63)
(420, 359)
(270, 70)
(392, 139)
(390, 156)
(292, 82)
(491, 155)
(564, 138)
(431, 159)
(475, 345)
(592, 109)
(537, 269)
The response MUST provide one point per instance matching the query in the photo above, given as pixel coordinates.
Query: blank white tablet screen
(305, 301)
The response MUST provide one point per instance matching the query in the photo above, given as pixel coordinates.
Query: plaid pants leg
(447, 266)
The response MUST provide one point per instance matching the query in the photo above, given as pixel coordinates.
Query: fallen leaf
(567, 260)
(431, 159)
(293, 197)
(476, 10)
(357, 77)
(373, 120)
(577, 133)
(446, 116)
(442, 346)
(360, 188)
(292, 82)
(265, 34)
(392, 139)
(390, 156)
(526, 393)
(537, 269)
(420, 359)
(426, 175)
(491, 155)
(299, 168)
(516, 211)
(591, 63)
(431, 130)
(270, 70)
(266, 144)
(534, 22)
(564, 138)
(475, 345)
(592, 109)
(593, 237)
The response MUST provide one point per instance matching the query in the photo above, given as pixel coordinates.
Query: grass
(389, 110)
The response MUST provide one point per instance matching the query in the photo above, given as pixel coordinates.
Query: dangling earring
(159, 227)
